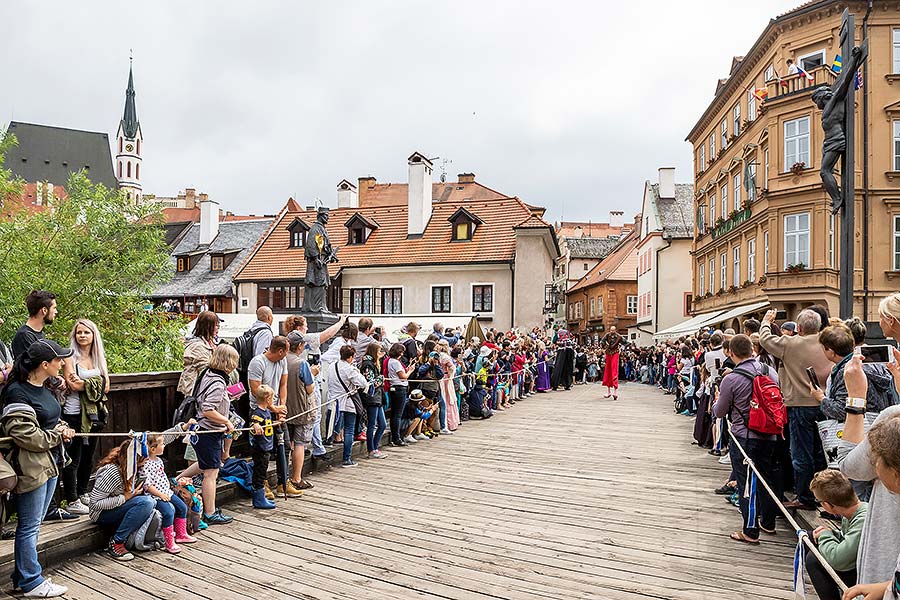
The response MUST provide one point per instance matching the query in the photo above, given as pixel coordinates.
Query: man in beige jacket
(796, 354)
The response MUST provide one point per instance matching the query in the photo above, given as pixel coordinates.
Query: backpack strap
(745, 373)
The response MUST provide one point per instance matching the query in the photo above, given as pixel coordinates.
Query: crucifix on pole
(837, 103)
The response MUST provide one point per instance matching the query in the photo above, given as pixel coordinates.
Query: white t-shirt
(73, 399)
(394, 367)
(266, 372)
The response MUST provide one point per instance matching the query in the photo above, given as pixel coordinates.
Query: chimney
(209, 220)
(347, 195)
(419, 201)
(667, 182)
(616, 218)
(190, 200)
(365, 184)
(466, 178)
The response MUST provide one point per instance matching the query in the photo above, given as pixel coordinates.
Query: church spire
(130, 121)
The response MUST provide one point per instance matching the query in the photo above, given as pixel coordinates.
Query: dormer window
(182, 264)
(297, 233)
(359, 228)
(217, 262)
(464, 223)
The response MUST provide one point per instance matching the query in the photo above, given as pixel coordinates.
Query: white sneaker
(47, 589)
(377, 454)
(85, 499)
(410, 440)
(446, 431)
(421, 436)
(77, 508)
(724, 460)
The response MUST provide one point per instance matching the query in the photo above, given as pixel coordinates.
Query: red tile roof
(192, 215)
(620, 265)
(567, 229)
(372, 194)
(494, 240)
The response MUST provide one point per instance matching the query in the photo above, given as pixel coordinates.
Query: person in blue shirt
(262, 442)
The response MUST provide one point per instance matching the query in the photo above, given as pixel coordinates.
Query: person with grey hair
(796, 354)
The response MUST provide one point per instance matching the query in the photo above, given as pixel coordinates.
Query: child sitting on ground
(262, 442)
(839, 547)
(156, 484)
(417, 415)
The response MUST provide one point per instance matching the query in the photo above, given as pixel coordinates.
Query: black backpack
(244, 346)
(189, 409)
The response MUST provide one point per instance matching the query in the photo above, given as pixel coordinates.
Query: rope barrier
(802, 535)
(329, 402)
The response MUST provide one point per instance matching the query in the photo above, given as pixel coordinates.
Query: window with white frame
(701, 218)
(897, 51)
(591, 307)
(701, 278)
(736, 181)
(831, 240)
(736, 119)
(751, 104)
(897, 242)
(736, 266)
(701, 158)
(600, 305)
(796, 142)
(723, 271)
(770, 73)
(765, 252)
(896, 144)
(751, 259)
(631, 305)
(813, 60)
(712, 210)
(724, 191)
(796, 240)
(440, 299)
(712, 146)
(724, 129)
(712, 274)
(391, 301)
(766, 168)
(751, 184)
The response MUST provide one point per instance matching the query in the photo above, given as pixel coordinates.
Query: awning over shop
(739, 312)
(687, 327)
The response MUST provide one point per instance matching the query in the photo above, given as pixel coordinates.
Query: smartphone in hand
(813, 378)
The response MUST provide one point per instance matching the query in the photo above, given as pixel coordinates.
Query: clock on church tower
(128, 146)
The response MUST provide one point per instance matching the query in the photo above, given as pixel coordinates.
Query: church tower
(128, 146)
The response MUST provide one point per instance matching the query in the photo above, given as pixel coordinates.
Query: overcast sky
(569, 105)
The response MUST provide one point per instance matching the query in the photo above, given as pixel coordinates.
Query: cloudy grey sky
(569, 105)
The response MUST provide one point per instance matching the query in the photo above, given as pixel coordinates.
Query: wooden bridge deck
(567, 495)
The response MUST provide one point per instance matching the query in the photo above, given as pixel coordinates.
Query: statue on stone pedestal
(319, 253)
(830, 99)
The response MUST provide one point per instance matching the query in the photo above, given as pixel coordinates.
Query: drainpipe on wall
(512, 296)
(866, 174)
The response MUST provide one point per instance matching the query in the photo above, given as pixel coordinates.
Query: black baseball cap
(47, 350)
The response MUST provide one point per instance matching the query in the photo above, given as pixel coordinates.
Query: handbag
(357, 401)
(832, 432)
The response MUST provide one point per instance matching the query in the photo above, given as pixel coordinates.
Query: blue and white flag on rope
(750, 494)
(858, 80)
(800, 565)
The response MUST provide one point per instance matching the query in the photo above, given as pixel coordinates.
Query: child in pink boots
(156, 484)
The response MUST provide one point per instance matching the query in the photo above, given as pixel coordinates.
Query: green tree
(102, 255)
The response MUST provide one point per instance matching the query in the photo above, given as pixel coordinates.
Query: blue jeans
(807, 455)
(338, 424)
(171, 509)
(442, 411)
(318, 449)
(349, 419)
(32, 507)
(373, 435)
(127, 517)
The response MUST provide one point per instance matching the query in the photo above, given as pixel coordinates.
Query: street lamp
(551, 298)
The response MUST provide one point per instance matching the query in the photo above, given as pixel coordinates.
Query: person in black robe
(564, 367)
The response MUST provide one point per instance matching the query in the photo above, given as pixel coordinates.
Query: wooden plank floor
(567, 495)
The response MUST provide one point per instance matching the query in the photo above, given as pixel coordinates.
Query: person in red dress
(610, 344)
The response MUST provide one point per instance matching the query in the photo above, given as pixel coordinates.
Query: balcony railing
(791, 85)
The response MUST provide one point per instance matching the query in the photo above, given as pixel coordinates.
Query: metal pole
(848, 168)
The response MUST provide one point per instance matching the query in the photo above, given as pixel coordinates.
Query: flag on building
(803, 72)
(836, 65)
(761, 93)
(858, 80)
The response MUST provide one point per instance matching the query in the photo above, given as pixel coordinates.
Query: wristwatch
(856, 406)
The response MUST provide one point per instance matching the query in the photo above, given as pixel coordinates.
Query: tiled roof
(533, 222)
(192, 215)
(494, 240)
(570, 229)
(373, 194)
(201, 281)
(676, 215)
(621, 265)
(46, 153)
(592, 247)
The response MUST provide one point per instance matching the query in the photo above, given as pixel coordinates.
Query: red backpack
(768, 414)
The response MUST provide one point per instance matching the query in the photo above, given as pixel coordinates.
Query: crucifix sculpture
(838, 107)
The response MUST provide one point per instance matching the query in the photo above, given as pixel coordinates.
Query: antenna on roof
(317, 203)
(444, 164)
